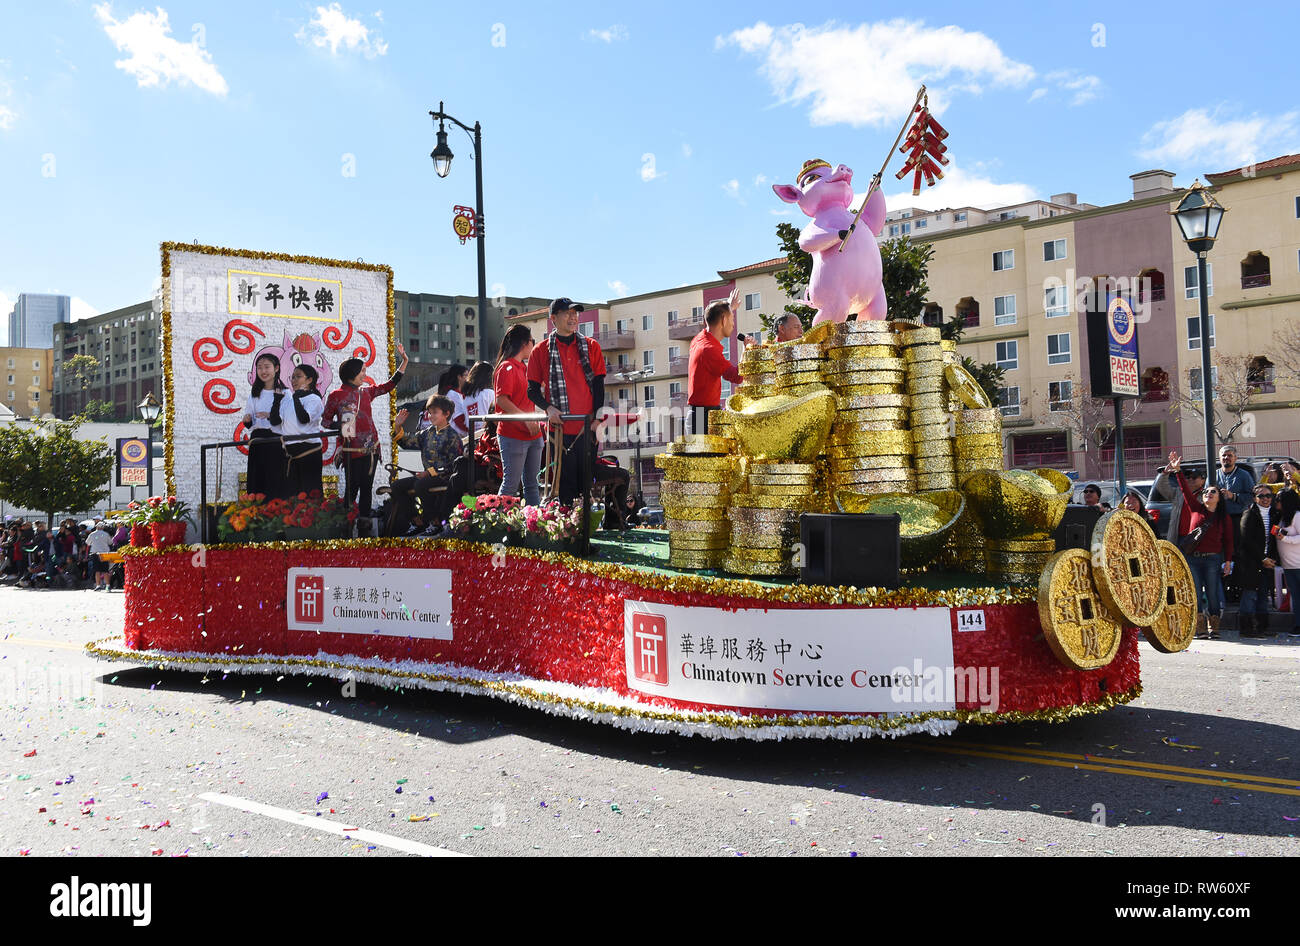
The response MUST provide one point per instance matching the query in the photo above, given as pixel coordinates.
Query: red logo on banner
(650, 647)
(309, 599)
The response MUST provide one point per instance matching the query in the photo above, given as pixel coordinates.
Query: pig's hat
(808, 167)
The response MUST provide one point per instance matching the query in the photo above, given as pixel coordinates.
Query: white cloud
(7, 117)
(615, 34)
(869, 74)
(1084, 87)
(960, 188)
(81, 309)
(1037, 94)
(760, 180)
(1212, 138)
(618, 287)
(648, 168)
(732, 188)
(331, 27)
(687, 151)
(155, 57)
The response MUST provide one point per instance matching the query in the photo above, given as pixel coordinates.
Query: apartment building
(919, 224)
(28, 389)
(125, 342)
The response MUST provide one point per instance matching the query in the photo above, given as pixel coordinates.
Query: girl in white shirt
(302, 416)
(478, 395)
(262, 416)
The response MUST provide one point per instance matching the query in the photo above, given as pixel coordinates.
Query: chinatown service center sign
(868, 660)
(395, 602)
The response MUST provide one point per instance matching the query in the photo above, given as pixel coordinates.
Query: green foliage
(44, 466)
(793, 280)
(989, 377)
(904, 266)
(97, 410)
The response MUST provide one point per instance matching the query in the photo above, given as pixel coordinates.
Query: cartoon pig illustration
(846, 282)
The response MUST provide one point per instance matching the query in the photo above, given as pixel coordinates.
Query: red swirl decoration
(239, 336)
(240, 434)
(360, 352)
(331, 337)
(207, 359)
(218, 395)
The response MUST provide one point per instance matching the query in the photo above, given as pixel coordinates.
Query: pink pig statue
(841, 283)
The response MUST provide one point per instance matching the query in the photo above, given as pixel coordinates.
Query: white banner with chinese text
(397, 602)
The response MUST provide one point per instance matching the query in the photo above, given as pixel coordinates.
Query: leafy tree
(989, 376)
(81, 371)
(44, 466)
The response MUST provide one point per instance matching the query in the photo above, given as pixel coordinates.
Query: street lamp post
(1199, 215)
(149, 409)
(442, 156)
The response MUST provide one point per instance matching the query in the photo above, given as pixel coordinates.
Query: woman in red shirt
(1210, 557)
(520, 441)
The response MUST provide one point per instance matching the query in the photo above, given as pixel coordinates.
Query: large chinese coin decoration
(1078, 628)
(1128, 567)
(1174, 629)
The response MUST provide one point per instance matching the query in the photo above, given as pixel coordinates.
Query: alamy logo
(77, 899)
(650, 647)
(309, 599)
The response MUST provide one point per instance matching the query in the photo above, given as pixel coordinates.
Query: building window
(1053, 250)
(1255, 272)
(968, 310)
(469, 314)
(622, 394)
(415, 344)
(1008, 356)
(415, 328)
(469, 348)
(1260, 375)
(36, 365)
(959, 217)
(587, 328)
(1192, 281)
(906, 229)
(1004, 310)
(1059, 394)
(752, 301)
(623, 363)
(922, 223)
(674, 389)
(672, 316)
(1009, 401)
(1058, 349)
(1003, 260)
(647, 322)
(621, 326)
(1194, 380)
(649, 393)
(647, 359)
(674, 352)
(893, 230)
(469, 331)
(697, 313)
(1056, 301)
(1194, 333)
(932, 315)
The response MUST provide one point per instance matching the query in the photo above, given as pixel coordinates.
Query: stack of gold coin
(721, 423)
(1019, 560)
(950, 357)
(765, 520)
(871, 461)
(698, 473)
(758, 369)
(798, 368)
(928, 410)
(979, 439)
(862, 358)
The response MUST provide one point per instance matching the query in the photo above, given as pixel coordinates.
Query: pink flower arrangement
(505, 513)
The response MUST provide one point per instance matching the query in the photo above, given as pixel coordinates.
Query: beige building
(28, 388)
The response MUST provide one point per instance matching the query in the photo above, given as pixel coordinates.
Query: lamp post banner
(1121, 327)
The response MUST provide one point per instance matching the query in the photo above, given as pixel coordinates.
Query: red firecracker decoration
(925, 149)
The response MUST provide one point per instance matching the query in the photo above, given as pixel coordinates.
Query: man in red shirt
(708, 364)
(566, 375)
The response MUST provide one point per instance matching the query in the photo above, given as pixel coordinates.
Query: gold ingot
(744, 553)
(698, 469)
(934, 400)
(798, 377)
(690, 543)
(815, 335)
(798, 352)
(920, 334)
(939, 464)
(874, 442)
(968, 390)
(755, 392)
(695, 526)
(928, 426)
(1077, 626)
(847, 364)
(764, 467)
(757, 569)
(801, 390)
(694, 513)
(1174, 630)
(758, 501)
(696, 561)
(925, 523)
(806, 480)
(868, 390)
(1129, 568)
(867, 401)
(1012, 503)
(896, 417)
(715, 500)
(705, 444)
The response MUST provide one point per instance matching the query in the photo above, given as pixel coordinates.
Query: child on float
(348, 408)
(262, 417)
(303, 457)
(440, 446)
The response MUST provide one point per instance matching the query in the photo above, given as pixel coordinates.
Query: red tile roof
(533, 313)
(1263, 167)
(752, 267)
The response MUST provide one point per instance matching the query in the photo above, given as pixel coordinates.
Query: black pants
(700, 418)
(576, 447)
(359, 480)
(304, 470)
(434, 505)
(612, 483)
(265, 465)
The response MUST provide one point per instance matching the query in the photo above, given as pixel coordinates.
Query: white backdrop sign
(222, 309)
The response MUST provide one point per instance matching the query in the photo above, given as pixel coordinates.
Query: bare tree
(1235, 386)
(1286, 353)
(1090, 421)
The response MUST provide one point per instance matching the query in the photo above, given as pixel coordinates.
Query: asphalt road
(116, 759)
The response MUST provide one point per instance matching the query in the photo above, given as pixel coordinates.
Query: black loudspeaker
(1075, 530)
(847, 549)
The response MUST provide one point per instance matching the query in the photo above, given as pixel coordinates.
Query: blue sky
(627, 148)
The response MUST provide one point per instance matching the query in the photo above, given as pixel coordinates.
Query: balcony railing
(1256, 282)
(677, 400)
(678, 365)
(616, 340)
(685, 328)
(1157, 295)
(1159, 394)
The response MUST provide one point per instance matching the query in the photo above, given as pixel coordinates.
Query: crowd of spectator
(33, 555)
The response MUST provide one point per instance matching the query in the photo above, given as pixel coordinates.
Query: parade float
(717, 625)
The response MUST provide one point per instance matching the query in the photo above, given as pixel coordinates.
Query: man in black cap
(566, 375)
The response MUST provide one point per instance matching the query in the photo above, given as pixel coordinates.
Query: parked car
(652, 515)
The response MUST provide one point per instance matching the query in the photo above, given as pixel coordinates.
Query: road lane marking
(1135, 763)
(1218, 781)
(37, 642)
(329, 827)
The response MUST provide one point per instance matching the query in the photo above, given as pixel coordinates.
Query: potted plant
(168, 519)
(248, 519)
(315, 517)
(137, 517)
